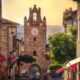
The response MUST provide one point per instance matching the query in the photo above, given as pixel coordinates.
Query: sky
(15, 10)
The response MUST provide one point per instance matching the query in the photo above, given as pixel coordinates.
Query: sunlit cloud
(53, 9)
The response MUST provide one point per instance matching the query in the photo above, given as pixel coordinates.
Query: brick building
(8, 34)
(35, 40)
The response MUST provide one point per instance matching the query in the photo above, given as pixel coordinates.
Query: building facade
(8, 34)
(35, 39)
(69, 18)
(77, 18)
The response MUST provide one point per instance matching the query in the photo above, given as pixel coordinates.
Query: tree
(63, 46)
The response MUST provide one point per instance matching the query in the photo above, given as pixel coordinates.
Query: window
(34, 17)
(34, 53)
(34, 38)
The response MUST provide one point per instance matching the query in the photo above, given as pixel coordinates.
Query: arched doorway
(35, 72)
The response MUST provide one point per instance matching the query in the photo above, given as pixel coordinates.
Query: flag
(72, 67)
(59, 70)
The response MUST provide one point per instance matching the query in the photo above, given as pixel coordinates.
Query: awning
(26, 59)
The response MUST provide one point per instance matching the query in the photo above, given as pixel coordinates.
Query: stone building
(69, 18)
(8, 34)
(35, 40)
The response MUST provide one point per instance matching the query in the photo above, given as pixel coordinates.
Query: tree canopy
(63, 46)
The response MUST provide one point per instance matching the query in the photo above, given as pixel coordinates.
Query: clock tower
(35, 36)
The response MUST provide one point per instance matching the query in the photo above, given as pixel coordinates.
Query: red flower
(2, 58)
(14, 59)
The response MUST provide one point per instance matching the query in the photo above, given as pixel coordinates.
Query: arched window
(34, 17)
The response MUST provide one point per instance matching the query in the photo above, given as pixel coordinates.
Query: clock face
(34, 31)
(28, 24)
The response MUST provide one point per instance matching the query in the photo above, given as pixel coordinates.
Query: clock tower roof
(35, 17)
(35, 12)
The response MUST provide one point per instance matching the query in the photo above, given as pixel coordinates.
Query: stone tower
(35, 36)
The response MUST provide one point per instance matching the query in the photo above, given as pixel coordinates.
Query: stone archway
(35, 71)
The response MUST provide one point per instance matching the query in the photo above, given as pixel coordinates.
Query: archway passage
(35, 71)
